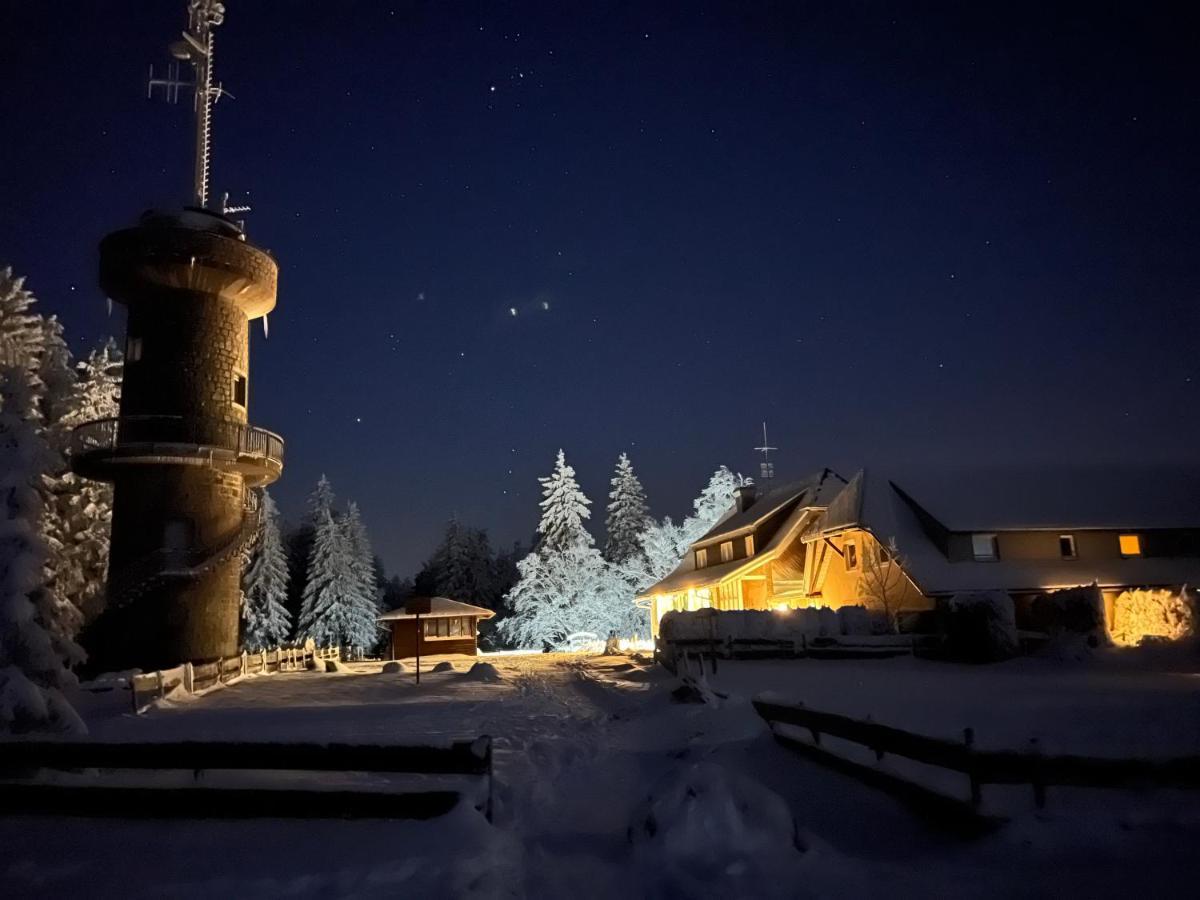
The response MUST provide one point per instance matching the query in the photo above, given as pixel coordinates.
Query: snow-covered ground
(606, 788)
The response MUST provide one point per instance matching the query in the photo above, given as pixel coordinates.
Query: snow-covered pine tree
(713, 503)
(328, 587)
(663, 546)
(82, 508)
(362, 631)
(564, 508)
(20, 327)
(266, 620)
(628, 514)
(32, 674)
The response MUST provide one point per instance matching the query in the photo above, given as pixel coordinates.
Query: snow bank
(483, 671)
(982, 626)
(446, 666)
(1074, 621)
(393, 668)
(1138, 615)
(332, 665)
(782, 625)
(708, 831)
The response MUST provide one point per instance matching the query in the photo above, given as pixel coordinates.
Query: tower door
(177, 538)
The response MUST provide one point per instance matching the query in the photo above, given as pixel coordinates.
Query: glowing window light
(1131, 544)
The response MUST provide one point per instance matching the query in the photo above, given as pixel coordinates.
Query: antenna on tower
(196, 48)
(766, 468)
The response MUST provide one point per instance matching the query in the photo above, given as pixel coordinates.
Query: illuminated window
(749, 545)
(727, 551)
(1131, 544)
(1066, 546)
(445, 628)
(983, 546)
(133, 349)
(851, 556)
(701, 558)
(239, 390)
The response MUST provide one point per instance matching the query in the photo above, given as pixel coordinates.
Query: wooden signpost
(417, 606)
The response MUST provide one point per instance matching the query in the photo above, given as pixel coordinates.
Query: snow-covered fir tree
(464, 567)
(628, 514)
(20, 327)
(325, 610)
(564, 509)
(265, 618)
(362, 629)
(32, 673)
(713, 503)
(663, 546)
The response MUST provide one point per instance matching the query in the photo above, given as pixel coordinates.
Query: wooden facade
(450, 627)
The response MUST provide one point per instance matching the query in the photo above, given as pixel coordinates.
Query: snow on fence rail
(996, 767)
(25, 790)
(820, 633)
(191, 678)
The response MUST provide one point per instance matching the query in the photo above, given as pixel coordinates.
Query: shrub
(1159, 613)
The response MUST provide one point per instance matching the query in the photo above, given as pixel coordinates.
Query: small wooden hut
(448, 627)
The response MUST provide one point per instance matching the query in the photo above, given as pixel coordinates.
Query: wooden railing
(23, 789)
(199, 676)
(981, 767)
(162, 434)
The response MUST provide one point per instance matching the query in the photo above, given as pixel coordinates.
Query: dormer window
(701, 558)
(727, 551)
(749, 545)
(983, 547)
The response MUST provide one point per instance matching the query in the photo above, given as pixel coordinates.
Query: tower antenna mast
(766, 468)
(196, 48)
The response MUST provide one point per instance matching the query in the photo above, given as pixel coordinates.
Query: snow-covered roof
(876, 504)
(440, 608)
(813, 491)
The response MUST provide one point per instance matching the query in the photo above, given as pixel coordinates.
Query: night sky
(905, 239)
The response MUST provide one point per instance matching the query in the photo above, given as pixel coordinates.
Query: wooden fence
(670, 652)
(1008, 767)
(199, 676)
(24, 790)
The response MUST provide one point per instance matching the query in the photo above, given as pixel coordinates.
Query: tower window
(133, 349)
(983, 547)
(239, 390)
(1131, 544)
(1066, 546)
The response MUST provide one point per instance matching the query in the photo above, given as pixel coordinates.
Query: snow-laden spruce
(565, 586)
(20, 327)
(362, 630)
(328, 589)
(628, 514)
(266, 620)
(32, 674)
(564, 509)
(714, 502)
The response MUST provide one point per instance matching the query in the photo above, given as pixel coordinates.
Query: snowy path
(580, 744)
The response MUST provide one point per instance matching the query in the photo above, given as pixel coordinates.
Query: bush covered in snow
(782, 625)
(982, 627)
(1157, 614)
(707, 831)
(444, 666)
(483, 671)
(1073, 619)
(394, 668)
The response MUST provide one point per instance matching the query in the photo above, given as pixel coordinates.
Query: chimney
(745, 496)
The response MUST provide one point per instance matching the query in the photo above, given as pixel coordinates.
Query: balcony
(100, 448)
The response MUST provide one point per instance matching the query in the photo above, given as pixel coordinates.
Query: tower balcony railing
(96, 447)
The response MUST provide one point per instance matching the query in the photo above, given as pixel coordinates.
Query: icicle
(266, 327)
(108, 300)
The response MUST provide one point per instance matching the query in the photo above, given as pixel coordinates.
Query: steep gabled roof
(813, 491)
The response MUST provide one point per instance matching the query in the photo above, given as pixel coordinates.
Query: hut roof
(440, 608)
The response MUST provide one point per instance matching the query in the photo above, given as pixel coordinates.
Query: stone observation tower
(183, 459)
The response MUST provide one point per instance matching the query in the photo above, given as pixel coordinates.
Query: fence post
(187, 678)
(162, 692)
(245, 656)
(976, 791)
(263, 657)
(1039, 783)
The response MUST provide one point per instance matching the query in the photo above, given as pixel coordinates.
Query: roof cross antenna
(766, 468)
(196, 48)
